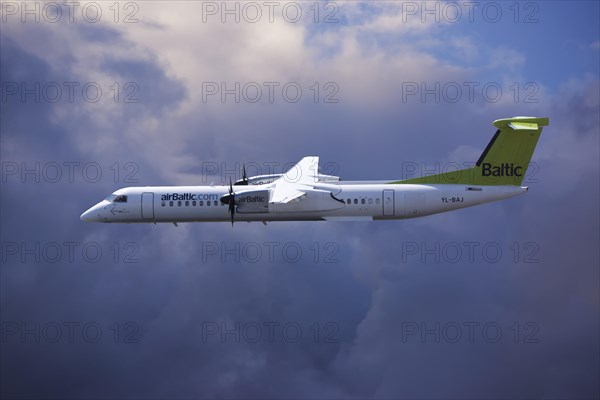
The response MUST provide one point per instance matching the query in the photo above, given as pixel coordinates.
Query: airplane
(303, 194)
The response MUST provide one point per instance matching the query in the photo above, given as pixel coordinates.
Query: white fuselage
(339, 201)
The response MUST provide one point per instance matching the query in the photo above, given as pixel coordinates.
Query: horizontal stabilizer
(521, 123)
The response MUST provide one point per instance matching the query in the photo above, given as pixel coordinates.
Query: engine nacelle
(265, 179)
(253, 201)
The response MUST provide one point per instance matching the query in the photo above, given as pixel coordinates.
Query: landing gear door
(147, 205)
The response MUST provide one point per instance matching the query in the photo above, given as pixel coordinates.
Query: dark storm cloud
(558, 292)
(179, 296)
(27, 119)
(79, 292)
(157, 93)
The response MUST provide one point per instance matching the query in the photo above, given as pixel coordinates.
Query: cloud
(356, 288)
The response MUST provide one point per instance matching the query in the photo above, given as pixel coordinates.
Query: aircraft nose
(91, 215)
(87, 216)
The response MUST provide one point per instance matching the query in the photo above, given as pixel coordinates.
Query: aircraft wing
(305, 172)
(296, 181)
(282, 195)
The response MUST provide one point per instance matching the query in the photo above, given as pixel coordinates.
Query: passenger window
(194, 203)
(170, 204)
(370, 201)
(208, 203)
(179, 203)
(187, 203)
(201, 203)
(216, 203)
(348, 201)
(355, 201)
(163, 203)
(362, 201)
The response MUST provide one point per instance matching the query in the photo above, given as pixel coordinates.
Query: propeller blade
(231, 201)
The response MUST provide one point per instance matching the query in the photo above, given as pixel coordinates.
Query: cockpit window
(111, 197)
(120, 199)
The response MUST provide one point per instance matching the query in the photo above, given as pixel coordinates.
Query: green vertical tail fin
(505, 159)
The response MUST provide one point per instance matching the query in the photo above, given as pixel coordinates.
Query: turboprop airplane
(303, 194)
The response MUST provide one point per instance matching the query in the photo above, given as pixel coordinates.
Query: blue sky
(365, 296)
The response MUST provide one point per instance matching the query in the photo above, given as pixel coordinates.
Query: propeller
(244, 180)
(230, 200)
